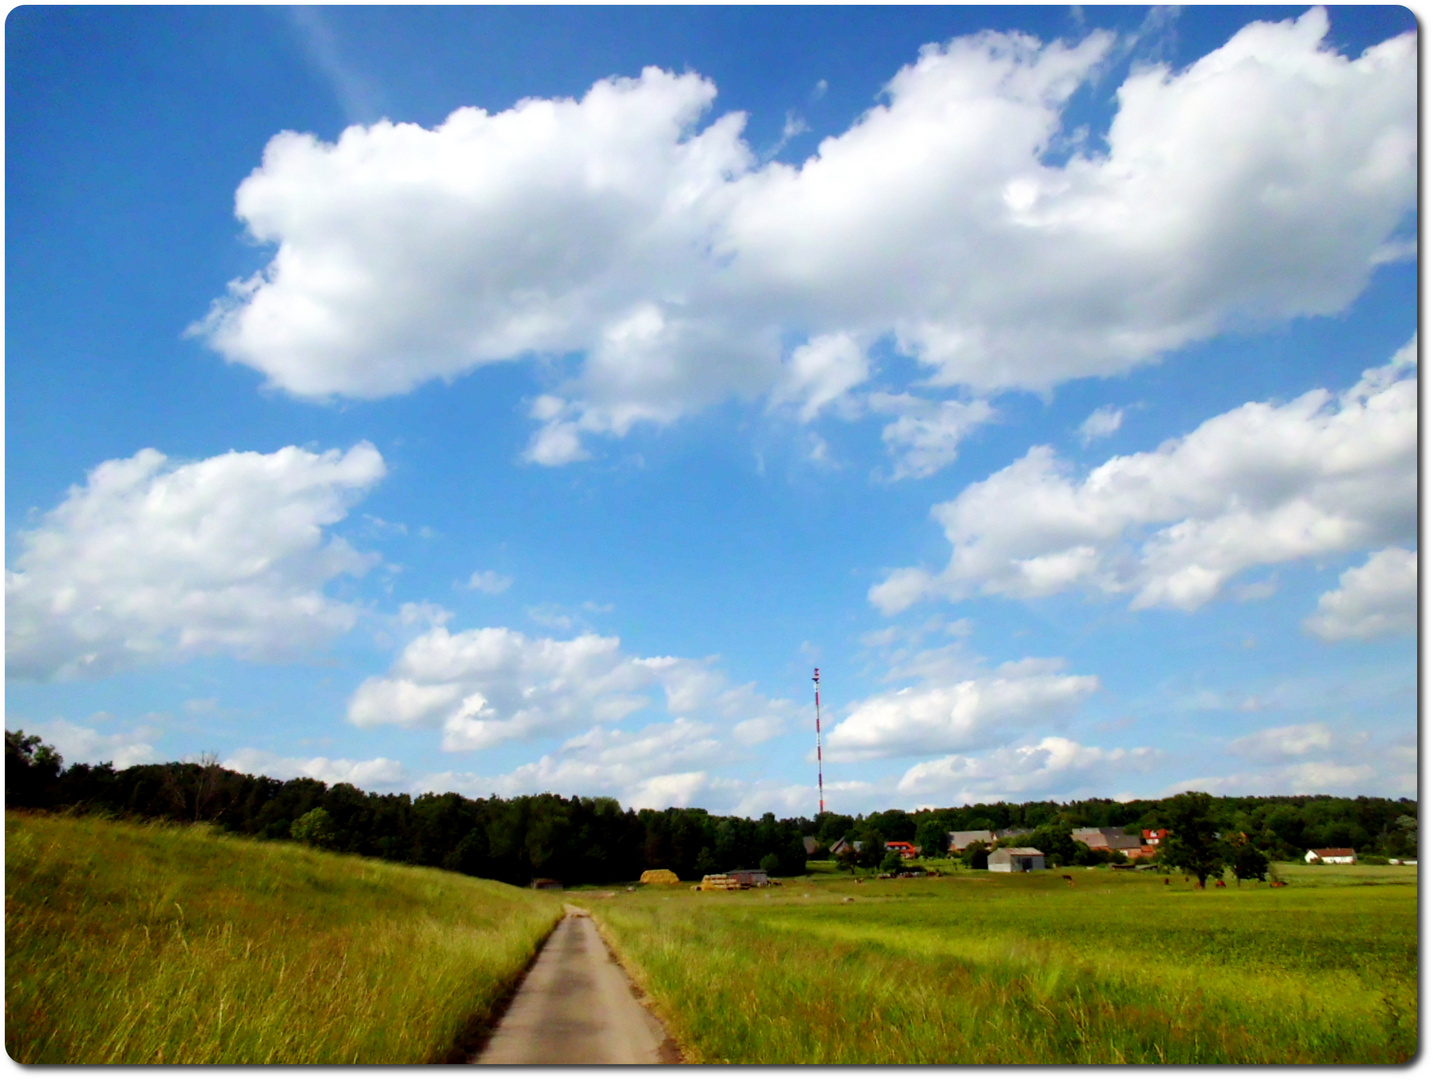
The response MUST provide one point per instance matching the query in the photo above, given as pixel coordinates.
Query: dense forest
(593, 840)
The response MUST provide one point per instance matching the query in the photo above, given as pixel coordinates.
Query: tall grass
(161, 944)
(1025, 969)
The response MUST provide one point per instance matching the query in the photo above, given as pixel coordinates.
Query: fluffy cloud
(1262, 183)
(75, 742)
(489, 686)
(1052, 767)
(821, 372)
(489, 581)
(927, 436)
(377, 772)
(1262, 484)
(1380, 597)
(947, 715)
(1314, 759)
(1101, 424)
(151, 561)
(1278, 744)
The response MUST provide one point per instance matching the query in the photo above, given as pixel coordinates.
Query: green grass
(985, 968)
(159, 944)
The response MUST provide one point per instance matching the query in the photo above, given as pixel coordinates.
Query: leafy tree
(1250, 864)
(315, 829)
(892, 863)
(1193, 843)
(931, 838)
(976, 856)
(31, 769)
(771, 864)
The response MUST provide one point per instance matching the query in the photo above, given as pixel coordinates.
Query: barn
(1331, 855)
(1016, 860)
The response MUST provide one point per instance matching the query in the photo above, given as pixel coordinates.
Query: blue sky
(511, 400)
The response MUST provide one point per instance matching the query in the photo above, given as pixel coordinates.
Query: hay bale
(659, 877)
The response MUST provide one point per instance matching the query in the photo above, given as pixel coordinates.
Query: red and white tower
(820, 782)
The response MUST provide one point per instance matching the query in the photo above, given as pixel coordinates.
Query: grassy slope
(143, 944)
(985, 968)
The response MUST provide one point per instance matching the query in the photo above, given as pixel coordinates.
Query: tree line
(595, 841)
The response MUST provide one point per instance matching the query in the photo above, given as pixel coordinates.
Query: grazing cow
(1219, 884)
(1166, 881)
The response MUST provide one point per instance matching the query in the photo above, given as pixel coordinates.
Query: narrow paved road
(577, 1007)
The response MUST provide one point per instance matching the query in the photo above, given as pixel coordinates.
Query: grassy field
(990, 968)
(159, 944)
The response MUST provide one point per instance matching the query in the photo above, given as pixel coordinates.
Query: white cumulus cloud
(489, 581)
(376, 772)
(941, 714)
(1054, 766)
(1262, 484)
(1380, 597)
(1277, 744)
(1101, 424)
(150, 560)
(926, 436)
(493, 685)
(78, 743)
(1264, 182)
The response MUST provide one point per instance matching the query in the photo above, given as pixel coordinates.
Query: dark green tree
(315, 829)
(976, 856)
(1193, 843)
(931, 838)
(892, 862)
(1250, 864)
(32, 769)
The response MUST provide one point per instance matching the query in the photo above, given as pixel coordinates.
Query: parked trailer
(719, 883)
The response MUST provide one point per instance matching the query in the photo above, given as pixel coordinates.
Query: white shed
(1016, 860)
(1331, 855)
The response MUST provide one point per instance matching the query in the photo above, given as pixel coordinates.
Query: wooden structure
(1016, 860)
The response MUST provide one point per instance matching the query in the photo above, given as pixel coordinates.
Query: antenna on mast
(820, 782)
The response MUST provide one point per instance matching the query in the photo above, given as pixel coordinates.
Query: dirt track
(576, 1006)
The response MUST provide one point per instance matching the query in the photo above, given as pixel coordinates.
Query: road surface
(576, 1006)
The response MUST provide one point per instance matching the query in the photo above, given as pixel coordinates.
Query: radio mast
(820, 782)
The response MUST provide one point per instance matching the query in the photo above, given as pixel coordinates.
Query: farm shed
(748, 878)
(1016, 860)
(904, 848)
(659, 877)
(1331, 855)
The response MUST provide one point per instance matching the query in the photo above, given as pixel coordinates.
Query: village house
(1107, 840)
(904, 848)
(845, 845)
(959, 841)
(1331, 855)
(1016, 860)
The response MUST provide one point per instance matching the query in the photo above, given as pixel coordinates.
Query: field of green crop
(161, 944)
(983, 968)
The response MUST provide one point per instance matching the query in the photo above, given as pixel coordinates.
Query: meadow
(147, 944)
(980, 968)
